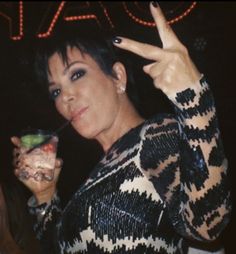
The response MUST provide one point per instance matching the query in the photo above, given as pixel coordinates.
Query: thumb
(15, 140)
(147, 68)
(59, 163)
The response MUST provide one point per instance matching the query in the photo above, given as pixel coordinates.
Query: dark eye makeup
(77, 74)
(54, 93)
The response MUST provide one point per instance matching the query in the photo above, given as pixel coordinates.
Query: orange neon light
(152, 24)
(9, 19)
(54, 20)
(90, 15)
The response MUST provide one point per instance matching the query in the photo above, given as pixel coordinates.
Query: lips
(75, 115)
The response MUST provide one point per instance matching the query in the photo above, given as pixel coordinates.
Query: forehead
(70, 55)
(73, 55)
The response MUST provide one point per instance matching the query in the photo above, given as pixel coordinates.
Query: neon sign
(13, 15)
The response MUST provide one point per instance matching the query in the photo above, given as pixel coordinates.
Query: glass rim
(35, 131)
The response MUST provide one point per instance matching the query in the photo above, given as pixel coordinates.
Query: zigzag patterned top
(161, 183)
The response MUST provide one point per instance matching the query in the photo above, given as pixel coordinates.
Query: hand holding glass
(38, 151)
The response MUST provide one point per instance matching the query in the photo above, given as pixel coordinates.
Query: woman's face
(83, 93)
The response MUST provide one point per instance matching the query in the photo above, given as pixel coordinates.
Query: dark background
(208, 32)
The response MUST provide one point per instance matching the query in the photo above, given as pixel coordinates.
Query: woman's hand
(172, 70)
(42, 190)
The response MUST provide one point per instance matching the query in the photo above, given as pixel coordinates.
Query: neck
(127, 118)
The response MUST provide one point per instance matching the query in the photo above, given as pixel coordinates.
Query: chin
(84, 131)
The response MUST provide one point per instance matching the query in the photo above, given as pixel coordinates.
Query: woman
(16, 232)
(162, 180)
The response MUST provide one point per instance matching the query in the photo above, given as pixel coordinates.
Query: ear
(121, 77)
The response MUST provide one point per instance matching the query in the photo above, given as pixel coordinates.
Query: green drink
(38, 149)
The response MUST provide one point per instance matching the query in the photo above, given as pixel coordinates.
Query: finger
(142, 49)
(148, 67)
(167, 35)
(16, 152)
(15, 141)
(155, 69)
(16, 163)
(17, 172)
(57, 172)
(59, 163)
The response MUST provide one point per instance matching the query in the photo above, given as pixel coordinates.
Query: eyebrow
(51, 83)
(66, 69)
(71, 64)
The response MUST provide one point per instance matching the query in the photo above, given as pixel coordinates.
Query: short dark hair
(97, 44)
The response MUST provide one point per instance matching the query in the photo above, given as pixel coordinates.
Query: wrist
(45, 208)
(44, 196)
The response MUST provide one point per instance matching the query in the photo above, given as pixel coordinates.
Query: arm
(46, 216)
(205, 205)
(44, 205)
(198, 197)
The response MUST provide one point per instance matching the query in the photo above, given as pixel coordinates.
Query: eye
(54, 93)
(77, 74)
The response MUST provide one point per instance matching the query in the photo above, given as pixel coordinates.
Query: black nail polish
(155, 4)
(116, 40)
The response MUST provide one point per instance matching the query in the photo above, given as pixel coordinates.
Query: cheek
(105, 94)
(60, 107)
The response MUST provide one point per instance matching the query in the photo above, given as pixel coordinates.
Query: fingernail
(116, 40)
(155, 4)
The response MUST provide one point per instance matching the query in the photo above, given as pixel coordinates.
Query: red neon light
(106, 14)
(81, 17)
(10, 21)
(152, 24)
(98, 17)
(54, 20)
(92, 16)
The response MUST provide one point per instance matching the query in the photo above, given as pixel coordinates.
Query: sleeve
(46, 216)
(189, 170)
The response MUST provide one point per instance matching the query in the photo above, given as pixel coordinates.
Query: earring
(121, 89)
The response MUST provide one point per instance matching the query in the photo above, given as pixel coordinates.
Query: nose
(68, 96)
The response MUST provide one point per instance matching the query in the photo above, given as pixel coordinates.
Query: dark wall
(22, 103)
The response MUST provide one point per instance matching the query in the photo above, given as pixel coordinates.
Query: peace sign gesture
(172, 70)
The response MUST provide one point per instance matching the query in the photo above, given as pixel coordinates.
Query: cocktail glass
(38, 151)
